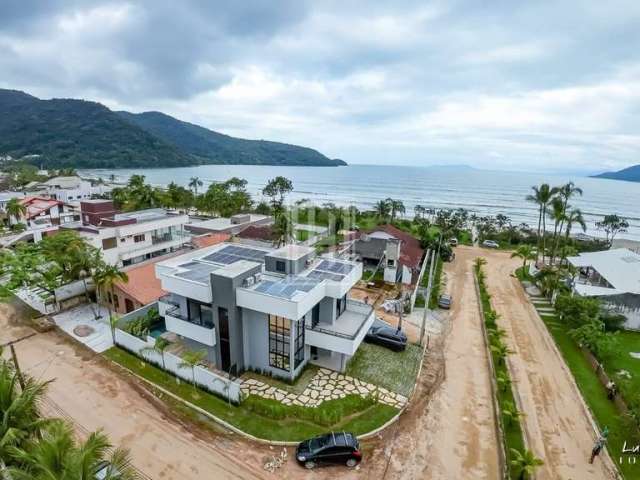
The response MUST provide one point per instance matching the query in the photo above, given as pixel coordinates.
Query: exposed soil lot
(556, 423)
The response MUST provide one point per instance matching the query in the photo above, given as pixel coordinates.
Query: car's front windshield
(319, 442)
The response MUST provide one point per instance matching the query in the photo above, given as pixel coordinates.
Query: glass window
(279, 338)
(138, 238)
(200, 314)
(280, 266)
(299, 344)
(108, 243)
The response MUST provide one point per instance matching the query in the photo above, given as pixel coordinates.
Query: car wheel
(352, 462)
(309, 465)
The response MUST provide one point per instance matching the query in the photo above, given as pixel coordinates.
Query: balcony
(169, 237)
(346, 333)
(178, 323)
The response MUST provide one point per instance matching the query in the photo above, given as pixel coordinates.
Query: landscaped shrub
(141, 326)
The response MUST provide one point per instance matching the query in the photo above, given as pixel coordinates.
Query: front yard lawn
(303, 235)
(395, 371)
(267, 419)
(629, 343)
(604, 410)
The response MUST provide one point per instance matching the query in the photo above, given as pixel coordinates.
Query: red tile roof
(37, 205)
(410, 250)
(209, 239)
(253, 232)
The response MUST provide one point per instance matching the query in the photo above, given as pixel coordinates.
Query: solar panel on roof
(325, 275)
(334, 267)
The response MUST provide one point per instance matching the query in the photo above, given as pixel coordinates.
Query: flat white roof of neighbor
(222, 223)
(292, 252)
(620, 267)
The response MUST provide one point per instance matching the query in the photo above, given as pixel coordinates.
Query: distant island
(61, 133)
(629, 174)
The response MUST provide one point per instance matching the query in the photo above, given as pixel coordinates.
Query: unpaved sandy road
(454, 437)
(96, 397)
(559, 429)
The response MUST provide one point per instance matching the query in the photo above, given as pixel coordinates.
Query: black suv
(387, 336)
(335, 448)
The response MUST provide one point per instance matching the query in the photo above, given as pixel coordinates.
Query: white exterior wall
(184, 287)
(206, 336)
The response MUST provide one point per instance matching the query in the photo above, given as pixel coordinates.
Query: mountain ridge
(65, 132)
(629, 174)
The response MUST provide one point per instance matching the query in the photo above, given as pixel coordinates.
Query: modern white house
(262, 309)
(613, 276)
(68, 189)
(131, 237)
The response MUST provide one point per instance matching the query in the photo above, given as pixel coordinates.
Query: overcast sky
(498, 84)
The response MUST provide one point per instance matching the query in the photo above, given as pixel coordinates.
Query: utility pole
(430, 256)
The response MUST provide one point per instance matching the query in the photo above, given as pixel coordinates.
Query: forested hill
(630, 174)
(82, 134)
(213, 148)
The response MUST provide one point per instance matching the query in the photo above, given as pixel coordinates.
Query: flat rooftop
(292, 252)
(222, 223)
(287, 287)
(141, 216)
(620, 267)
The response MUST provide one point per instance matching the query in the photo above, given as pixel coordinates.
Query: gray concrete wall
(327, 311)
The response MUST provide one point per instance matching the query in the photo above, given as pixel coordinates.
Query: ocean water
(481, 191)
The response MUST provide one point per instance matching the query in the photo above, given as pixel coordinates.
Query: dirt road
(96, 397)
(455, 435)
(558, 427)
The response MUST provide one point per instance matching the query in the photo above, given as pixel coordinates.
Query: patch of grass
(603, 409)
(395, 371)
(255, 416)
(329, 241)
(303, 235)
(298, 386)
(377, 278)
(465, 237)
(629, 343)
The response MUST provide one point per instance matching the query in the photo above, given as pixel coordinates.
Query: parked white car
(490, 244)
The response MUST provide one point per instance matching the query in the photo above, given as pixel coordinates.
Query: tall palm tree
(191, 359)
(19, 413)
(57, 456)
(574, 217)
(159, 346)
(557, 214)
(526, 253)
(525, 462)
(397, 207)
(15, 209)
(283, 227)
(382, 209)
(106, 278)
(194, 183)
(541, 196)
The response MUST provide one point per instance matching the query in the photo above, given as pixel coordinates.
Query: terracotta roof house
(209, 239)
(41, 212)
(400, 250)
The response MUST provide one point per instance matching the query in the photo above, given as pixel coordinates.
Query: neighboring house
(613, 276)
(67, 189)
(131, 237)
(232, 225)
(209, 239)
(44, 212)
(399, 252)
(6, 196)
(142, 289)
(258, 235)
(268, 310)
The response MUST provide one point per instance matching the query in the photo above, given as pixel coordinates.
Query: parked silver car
(490, 244)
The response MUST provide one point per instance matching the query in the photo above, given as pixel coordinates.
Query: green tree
(525, 252)
(542, 196)
(15, 209)
(194, 183)
(105, 279)
(283, 227)
(557, 214)
(159, 346)
(382, 209)
(276, 189)
(396, 207)
(525, 463)
(58, 456)
(574, 217)
(576, 311)
(191, 359)
(612, 225)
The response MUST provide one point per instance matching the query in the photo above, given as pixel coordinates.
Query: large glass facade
(279, 342)
(200, 313)
(298, 349)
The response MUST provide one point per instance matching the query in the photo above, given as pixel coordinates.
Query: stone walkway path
(325, 385)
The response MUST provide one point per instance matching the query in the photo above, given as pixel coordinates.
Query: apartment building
(131, 237)
(269, 310)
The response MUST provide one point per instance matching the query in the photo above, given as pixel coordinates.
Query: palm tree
(541, 196)
(194, 183)
(504, 382)
(283, 227)
(511, 413)
(574, 217)
(19, 413)
(397, 207)
(501, 351)
(106, 278)
(191, 359)
(382, 209)
(525, 462)
(159, 346)
(15, 209)
(526, 253)
(57, 456)
(557, 214)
